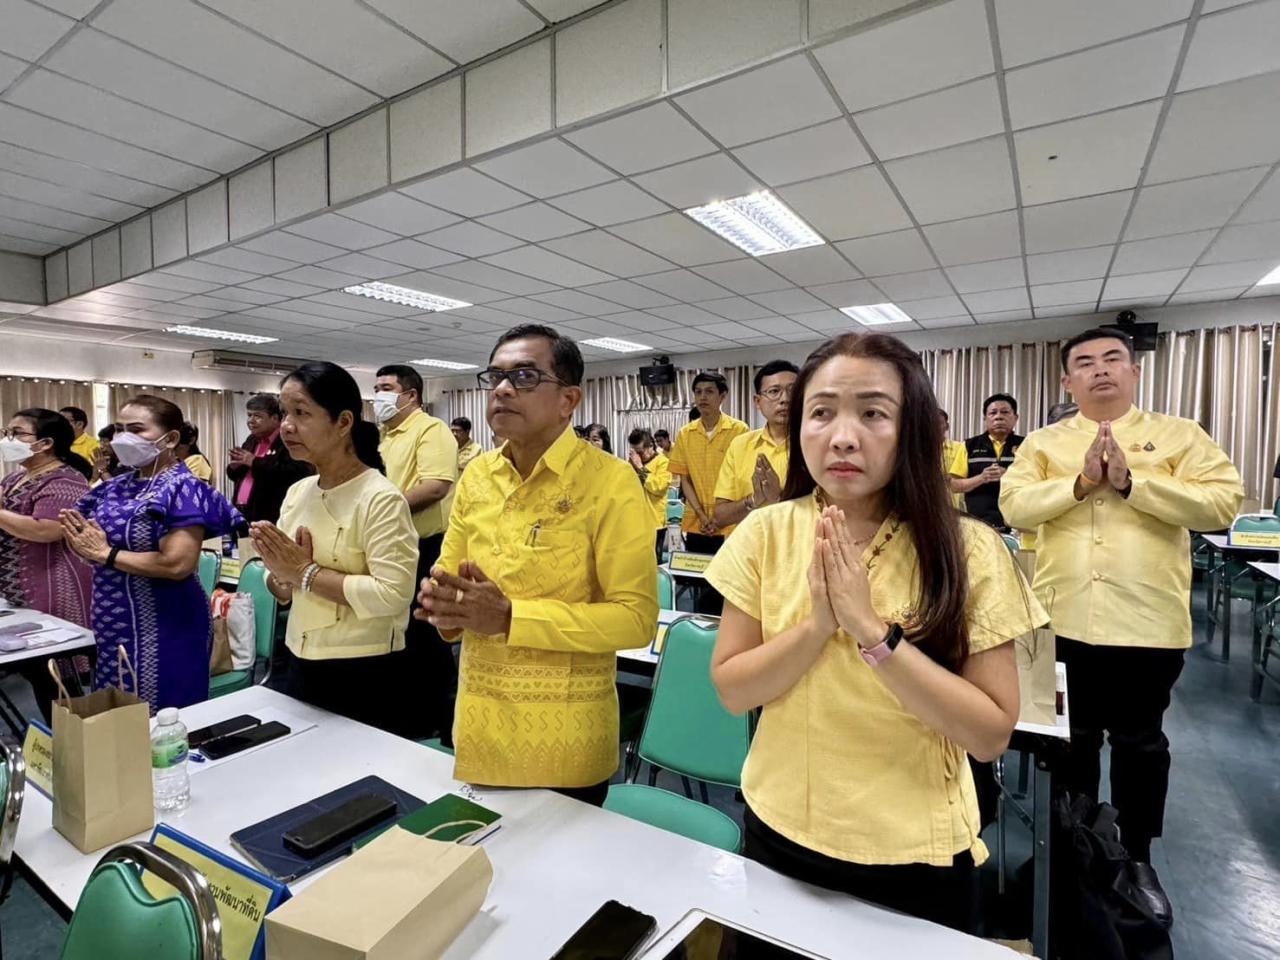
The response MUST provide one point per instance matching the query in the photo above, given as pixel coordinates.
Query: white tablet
(700, 936)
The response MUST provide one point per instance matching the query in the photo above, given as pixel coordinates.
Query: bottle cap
(167, 715)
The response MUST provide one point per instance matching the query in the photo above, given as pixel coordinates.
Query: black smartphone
(235, 742)
(346, 822)
(202, 735)
(614, 932)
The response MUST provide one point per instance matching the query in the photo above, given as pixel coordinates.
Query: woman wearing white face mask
(37, 569)
(143, 531)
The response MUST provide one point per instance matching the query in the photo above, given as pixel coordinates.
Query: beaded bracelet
(309, 575)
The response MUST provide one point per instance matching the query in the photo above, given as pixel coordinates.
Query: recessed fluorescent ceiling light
(759, 223)
(405, 296)
(618, 346)
(443, 364)
(876, 314)
(219, 334)
(1270, 278)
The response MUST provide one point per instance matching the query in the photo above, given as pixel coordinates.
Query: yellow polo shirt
(422, 448)
(1116, 571)
(837, 764)
(699, 457)
(571, 547)
(952, 452)
(467, 453)
(739, 466)
(361, 528)
(198, 464)
(656, 484)
(86, 445)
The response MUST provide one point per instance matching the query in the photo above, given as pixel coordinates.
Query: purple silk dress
(164, 625)
(47, 577)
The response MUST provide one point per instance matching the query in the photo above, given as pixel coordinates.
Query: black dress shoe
(1147, 886)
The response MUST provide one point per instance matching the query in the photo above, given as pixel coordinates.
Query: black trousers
(361, 688)
(431, 673)
(706, 598)
(1123, 692)
(944, 895)
(659, 542)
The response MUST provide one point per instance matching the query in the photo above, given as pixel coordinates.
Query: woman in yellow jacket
(344, 554)
(872, 622)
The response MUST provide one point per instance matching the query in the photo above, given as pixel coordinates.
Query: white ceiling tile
(610, 203)
(1161, 253)
(628, 294)
(1159, 284)
(730, 330)
(244, 295)
(1220, 276)
(993, 301)
(1270, 290)
(645, 139)
(915, 54)
(494, 277)
(30, 30)
(762, 103)
(686, 315)
(398, 213)
(708, 37)
(463, 33)
(933, 308)
(370, 268)
(1086, 264)
(606, 252)
(545, 265)
(811, 266)
(915, 286)
(290, 246)
(1035, 29)
(847, 293)
(467, 193)
(1228, 46)
(856, 203)
(823, 321)
(10, 69)
(68, 173)
(944, 322)
(695, 182)
(1186, 205)
(1252, 241)
(1001, 316)
(319, 277)
(1056, 294)
(736, 308)
(1218, 128)
(284, 288)
(744, 276)
(1207, 296)
(210, 272)
(1069, 224)
(546, 169)
(805, 154)
(470, 239)
(450, 287)
(536, 310)
(955, 115)
(684, 285)
(534, 222)
(579, 302)
(340, 232)
(252, 261)
(782, 328)
(679, 239)
(1061, 161)
(993, 237)
(957, 182)
(1263, 205)
(411, 253)
(1129, 71)
(992, 275)
(611, 59)
(788, 301)
(887, 253)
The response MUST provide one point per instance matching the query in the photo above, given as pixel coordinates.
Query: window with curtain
(21, 393)
(214, 413)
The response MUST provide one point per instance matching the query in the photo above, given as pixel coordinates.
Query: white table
(555, 860)
(84, 639)
(1262, 572)
(1219, 544)
(645, 655)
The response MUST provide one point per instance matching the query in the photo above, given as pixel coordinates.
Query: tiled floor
(1220, 857)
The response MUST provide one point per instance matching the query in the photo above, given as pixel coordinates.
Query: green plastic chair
(675, 511)
(1010, 541)
(13, 781)
(116, 918)
(434, 743)
(253, 581)
(688, 731)
(210, 570)
(666, 590)
(672, 812)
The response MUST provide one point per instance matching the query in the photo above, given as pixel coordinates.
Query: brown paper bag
(400, 897)
(1036, 655)
(220, 660)
(102, 789)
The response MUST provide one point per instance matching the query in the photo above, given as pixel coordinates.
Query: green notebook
(473, 822)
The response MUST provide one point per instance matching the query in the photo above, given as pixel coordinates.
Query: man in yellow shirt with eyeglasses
(547, 570)
(1113, 491)
(754, 470)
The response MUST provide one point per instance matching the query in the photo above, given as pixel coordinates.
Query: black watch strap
(111, 558)
(894, 636)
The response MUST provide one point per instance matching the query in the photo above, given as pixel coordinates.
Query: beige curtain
(214, 413)
(21, 393)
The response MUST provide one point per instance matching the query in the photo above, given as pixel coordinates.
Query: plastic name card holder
(684, 562)
(37, 751)
(1255, 530)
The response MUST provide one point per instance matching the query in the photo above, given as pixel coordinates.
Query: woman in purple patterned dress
(37, 569)
(143, 531)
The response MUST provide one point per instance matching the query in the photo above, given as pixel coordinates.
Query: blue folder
(263, 843)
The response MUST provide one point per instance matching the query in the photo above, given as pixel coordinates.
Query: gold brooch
(1134, 448)
(1149, 447)
(564, 506)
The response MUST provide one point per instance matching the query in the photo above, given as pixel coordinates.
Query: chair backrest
(253, 581)
(666, 590)
(675, 511)
(688, 730)
(1010, 541)
(210, 570)
(13, 780)
(116, 917)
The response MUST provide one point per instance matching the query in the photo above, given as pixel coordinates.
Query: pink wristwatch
(884, 649)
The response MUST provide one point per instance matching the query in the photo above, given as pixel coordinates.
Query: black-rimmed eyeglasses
(522, 378)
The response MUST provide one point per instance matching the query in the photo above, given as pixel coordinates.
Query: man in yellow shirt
(755, 465)
(952, 451)
(85, 444)
(547, 571)
(696, 457)
(468, 449)
(663, 440)
(654, 470)
(982, 460)
(1113, 492)
(421, 460)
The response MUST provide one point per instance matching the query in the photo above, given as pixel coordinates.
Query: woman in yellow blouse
(871, 621)
(188, 451)
(344, 553)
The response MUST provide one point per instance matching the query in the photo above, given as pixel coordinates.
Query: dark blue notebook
(264, 847)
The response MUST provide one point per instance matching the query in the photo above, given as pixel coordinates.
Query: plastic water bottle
(169, 777)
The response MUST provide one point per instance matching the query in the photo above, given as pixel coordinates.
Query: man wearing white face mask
(421, 457)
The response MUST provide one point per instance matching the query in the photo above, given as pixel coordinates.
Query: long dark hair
(51, 425)
(603, 433)
(189, 437)
(336, 390)
(917, 492)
